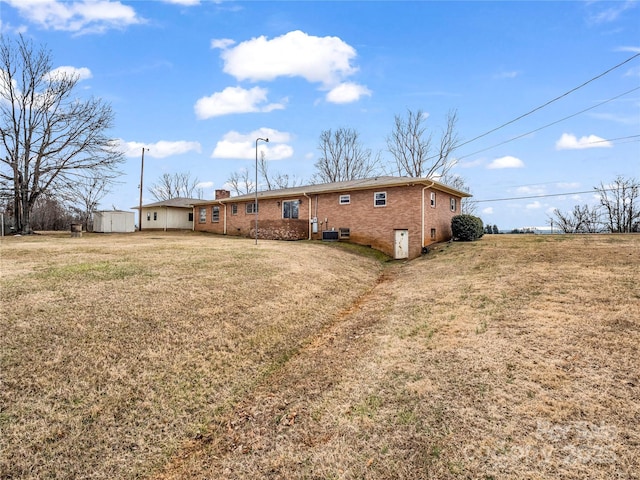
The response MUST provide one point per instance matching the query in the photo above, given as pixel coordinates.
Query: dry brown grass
(512, 357)
(116, 349)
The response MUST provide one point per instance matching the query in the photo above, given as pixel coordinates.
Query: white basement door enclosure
(401, 244)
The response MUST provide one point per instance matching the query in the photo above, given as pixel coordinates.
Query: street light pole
(256, 205)
(141, 176)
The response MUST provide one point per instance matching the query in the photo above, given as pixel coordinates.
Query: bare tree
(582, 219)
(565, 222)
(49, 213)
(467, 206)
(277, 180)
(50, 136)
(240, 183)
(84, 197)
(412, 146)
(174, 186)
(343, 157)
(621, 204)
(263, 168)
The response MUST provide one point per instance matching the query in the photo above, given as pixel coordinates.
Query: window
(345, 199)
(252, 208)
(155, 216)
(433, 234)
(148, 217)
(344, 232)
(203, 215)
(380, 199)
(290, 209)
(215, 214)
(453, 204)
(191, 216)
(433, 199)
(234, 209)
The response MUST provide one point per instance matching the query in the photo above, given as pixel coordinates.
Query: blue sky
(198, 81)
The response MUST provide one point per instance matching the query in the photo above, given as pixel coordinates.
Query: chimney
(220, 194)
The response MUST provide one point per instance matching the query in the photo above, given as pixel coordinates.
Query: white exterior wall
(113, 222)
(167, 218)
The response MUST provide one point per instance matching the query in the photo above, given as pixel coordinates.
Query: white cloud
(534, 205)
(160, 149)
(488, 211)
(184, 3)
(506, 162)
(530, 190)
(82, 73)
(325, 60)
(632, 72)
(204, 185)
(627, 49)
(222, 43)
(243, 146)
(568, 185)
(234, 100)
(624, 120)
(502, 75)
(471, 163)
(570, 142)
(610, 14)
(81, 16)
(347, 93)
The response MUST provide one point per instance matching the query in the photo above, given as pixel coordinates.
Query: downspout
(309, 219)
(423, 212)
(224, 221)
(166, 217)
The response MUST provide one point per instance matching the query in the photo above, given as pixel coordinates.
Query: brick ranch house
(396, 215)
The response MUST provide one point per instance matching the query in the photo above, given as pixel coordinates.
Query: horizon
(547, 93)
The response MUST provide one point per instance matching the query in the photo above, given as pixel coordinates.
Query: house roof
(179, 202)
(362, 184)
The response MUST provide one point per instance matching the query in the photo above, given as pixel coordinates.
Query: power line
(544, 195)
(550, 101)
(549, 124)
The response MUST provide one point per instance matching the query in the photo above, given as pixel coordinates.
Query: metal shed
(114, 221)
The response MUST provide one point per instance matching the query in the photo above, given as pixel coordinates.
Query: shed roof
(362, 184)
(179, 202)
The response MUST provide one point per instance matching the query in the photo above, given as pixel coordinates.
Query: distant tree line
(618, 210)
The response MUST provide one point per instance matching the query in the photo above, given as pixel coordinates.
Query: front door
(401, 249)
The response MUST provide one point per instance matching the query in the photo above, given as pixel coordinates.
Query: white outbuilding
(173, 214)
(114, 221)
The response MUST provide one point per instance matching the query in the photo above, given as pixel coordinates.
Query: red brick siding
(368, 225)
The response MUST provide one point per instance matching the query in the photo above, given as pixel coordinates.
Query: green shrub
(467, 228)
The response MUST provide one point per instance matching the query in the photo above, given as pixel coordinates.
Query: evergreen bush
(467, 228)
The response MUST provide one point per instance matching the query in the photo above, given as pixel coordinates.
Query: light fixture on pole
(141, 176)
(256, 204)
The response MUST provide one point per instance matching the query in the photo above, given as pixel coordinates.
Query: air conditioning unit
(330, 235)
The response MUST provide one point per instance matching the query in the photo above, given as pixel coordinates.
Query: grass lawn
(166, 355)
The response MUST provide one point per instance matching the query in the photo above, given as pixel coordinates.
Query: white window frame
(202, 215)
(379, 196)
(453, 204)
(234, 209)
(433, 199)
(293, 203)
(344, 199)
(215, 214)
(251, 208)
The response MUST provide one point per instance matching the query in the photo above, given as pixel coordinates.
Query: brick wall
(368, 224)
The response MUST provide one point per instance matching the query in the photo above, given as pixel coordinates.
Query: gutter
(309, 219)
(422, 214)
(224, 222)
